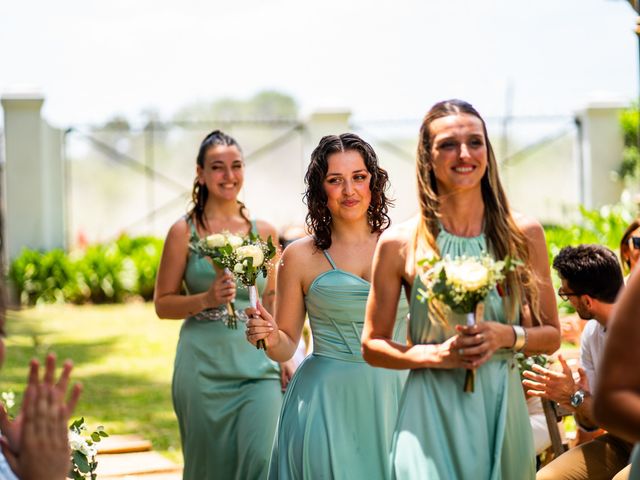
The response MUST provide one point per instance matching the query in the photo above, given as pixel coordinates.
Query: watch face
(577, 399)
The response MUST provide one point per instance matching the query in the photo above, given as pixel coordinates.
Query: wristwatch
(577, 398)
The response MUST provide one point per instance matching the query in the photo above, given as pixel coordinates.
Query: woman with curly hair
(226, 394)
(338, 414)
(444, 432)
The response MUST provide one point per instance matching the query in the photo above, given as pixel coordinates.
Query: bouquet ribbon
(253, 301)
(472, 319)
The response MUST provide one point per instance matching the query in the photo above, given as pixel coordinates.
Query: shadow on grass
(131, 403)
(18, 356)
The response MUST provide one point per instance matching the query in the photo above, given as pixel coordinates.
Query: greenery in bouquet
(8, 400)
(527, 362)
(246, 257)
(462, 282)
(84, 450)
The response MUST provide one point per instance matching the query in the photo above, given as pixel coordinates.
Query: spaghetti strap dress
(339, 413)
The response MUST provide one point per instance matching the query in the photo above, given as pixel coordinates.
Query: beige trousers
(604, 458)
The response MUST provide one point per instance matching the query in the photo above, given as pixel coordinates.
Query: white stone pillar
(34, 176)
(601, 145)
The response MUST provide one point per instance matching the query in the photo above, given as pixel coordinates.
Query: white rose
(216, 240)
(89, 450)
(234, 240)
(76, 441)
(469, 275)
(239, 268)
(252, 251)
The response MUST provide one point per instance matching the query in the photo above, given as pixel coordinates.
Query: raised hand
(556, 386)
(36, 444)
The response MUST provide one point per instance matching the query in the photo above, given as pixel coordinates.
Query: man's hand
(36, 443)
(556, 386)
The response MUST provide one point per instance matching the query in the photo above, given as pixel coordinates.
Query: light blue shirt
(5, 471)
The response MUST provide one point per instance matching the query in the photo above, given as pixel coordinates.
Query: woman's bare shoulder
(529, 226)
(399, 234)
(300, 249)
(179, 230)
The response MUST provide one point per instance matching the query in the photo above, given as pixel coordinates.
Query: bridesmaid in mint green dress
(226, 394)
(443, 432)
(339, 413)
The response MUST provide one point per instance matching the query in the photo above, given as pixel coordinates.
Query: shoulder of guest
(589, 331)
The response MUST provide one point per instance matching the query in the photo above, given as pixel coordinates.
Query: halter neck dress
(444, 433)
(226, 393)
(339, 413)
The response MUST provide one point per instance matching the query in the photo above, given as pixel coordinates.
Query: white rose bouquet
(462, 284)
(220, 247)
(246, 257)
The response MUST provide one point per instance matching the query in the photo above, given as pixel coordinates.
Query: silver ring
(461, 351)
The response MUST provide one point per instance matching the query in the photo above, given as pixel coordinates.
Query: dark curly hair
(200, 193)
(318, 217)
(590, 270)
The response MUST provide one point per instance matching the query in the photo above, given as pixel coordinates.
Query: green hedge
(103, 273)
(604, 227)
(126, 268)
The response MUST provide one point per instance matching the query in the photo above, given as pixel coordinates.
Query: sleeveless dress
(339, 413)
(634, 473)
(226, 393)
(444, 433)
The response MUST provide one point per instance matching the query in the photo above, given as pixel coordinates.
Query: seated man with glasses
(591, 280)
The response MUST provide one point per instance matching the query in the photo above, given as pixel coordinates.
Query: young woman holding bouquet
(338, 414)
(442, 431)
(226, 394)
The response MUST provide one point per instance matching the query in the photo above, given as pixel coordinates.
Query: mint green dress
(444, 433)
(226, 393)
(634, 473)
(339, 413)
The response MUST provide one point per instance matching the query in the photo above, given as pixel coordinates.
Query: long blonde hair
(502, 234)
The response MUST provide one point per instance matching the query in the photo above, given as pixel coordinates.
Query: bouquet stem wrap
(253, 301)
(470, 375)
(231, 310)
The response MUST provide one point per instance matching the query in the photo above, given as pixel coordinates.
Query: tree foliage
(630, 167)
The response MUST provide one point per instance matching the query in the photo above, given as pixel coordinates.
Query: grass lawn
(123, 356)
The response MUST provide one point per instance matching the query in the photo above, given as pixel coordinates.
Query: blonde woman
(443, 432)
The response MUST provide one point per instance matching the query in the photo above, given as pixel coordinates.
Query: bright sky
(380, 59)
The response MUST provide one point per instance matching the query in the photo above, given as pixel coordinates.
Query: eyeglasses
(565, 295)
(635, 242)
